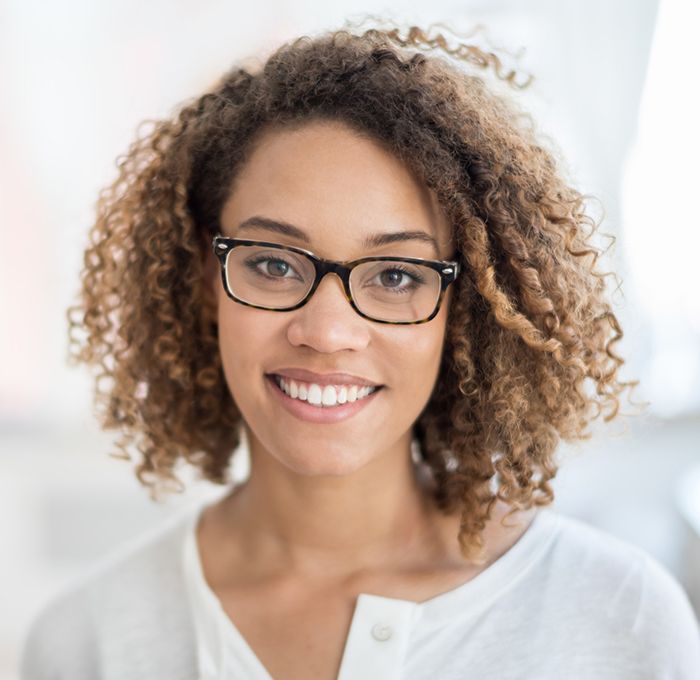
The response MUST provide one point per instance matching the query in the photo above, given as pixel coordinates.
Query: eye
(276, 270)
(391, 278)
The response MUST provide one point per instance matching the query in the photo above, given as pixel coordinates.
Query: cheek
(243, 337)
(428, 345)
(417, 358)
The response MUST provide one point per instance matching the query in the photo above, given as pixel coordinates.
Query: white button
(381, 632)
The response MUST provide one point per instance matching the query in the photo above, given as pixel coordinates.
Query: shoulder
(113, 610)
(617, 596)
(665, 616)
(605, 566)
(602, 558)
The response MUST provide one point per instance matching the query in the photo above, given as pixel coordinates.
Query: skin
(330, 510)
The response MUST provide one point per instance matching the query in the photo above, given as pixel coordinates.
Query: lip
(316, 414)
(303, 375)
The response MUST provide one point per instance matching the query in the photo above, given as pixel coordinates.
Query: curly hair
(529, 348)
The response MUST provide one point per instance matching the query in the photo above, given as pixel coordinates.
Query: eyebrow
(372, 241)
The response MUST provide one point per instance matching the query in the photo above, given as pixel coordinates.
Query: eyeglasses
(397, 290)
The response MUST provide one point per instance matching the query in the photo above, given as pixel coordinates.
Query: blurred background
(614, 91)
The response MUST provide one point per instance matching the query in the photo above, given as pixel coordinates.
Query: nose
(327, 322)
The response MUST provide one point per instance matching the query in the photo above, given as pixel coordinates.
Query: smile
(324, 396)
(327, 404)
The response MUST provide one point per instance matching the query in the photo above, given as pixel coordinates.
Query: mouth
(321, 409)
(321, 396)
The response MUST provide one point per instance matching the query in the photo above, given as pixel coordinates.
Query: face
(338, 188)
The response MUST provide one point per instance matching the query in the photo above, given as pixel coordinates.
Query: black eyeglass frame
(447, 269)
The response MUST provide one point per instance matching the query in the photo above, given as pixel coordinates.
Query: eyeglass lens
(384, 290)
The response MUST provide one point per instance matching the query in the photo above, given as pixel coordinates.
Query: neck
(372, 518)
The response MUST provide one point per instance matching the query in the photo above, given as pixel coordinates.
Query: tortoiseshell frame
(448, 271)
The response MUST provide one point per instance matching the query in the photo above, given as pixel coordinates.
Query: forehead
(338, 186)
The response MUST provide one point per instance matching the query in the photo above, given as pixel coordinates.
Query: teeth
(329, 397)
(326, 396)
(315, 396)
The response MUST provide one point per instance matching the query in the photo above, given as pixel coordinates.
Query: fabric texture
(567, 600)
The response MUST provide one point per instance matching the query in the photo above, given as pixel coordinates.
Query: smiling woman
(361, 258)
(328, 331)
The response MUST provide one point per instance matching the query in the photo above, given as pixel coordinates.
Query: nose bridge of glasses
(325, 267)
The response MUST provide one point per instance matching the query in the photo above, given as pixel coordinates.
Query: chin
(327, 462)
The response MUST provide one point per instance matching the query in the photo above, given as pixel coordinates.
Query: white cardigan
(566, 601)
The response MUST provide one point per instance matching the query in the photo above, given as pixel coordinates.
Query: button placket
(378, 638)
(381, 631)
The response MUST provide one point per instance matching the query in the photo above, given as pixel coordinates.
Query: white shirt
(566, 601)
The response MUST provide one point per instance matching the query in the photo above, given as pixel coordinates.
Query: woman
(402, 414)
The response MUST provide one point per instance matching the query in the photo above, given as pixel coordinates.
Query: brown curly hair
(529, 328)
